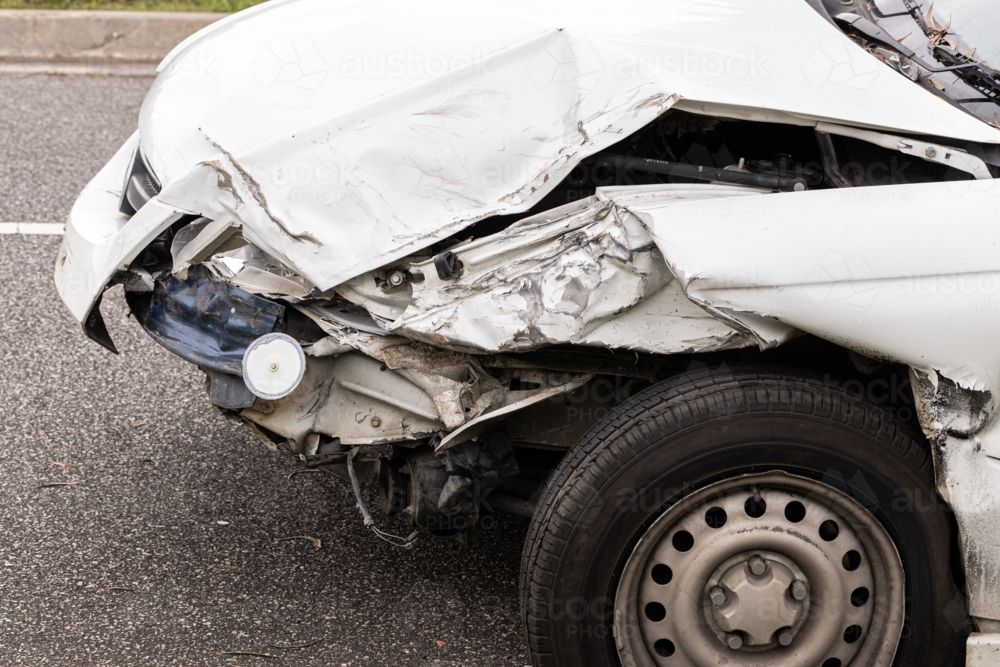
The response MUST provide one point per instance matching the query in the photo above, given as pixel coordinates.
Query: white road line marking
(46, 228)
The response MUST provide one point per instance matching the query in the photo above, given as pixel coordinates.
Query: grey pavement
(167, 553)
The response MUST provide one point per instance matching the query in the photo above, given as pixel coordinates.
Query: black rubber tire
(699, 428)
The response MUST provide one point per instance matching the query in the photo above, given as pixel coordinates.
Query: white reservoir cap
(273, 366)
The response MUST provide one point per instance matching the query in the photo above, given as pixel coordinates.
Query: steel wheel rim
(852, 612)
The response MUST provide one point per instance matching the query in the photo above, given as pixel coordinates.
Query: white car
(710, 290)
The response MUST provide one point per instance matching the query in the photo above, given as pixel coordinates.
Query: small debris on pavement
(222, 523)
(312, 643)
(259, 655)
(51, 484)
(316, 543)
(441, 643)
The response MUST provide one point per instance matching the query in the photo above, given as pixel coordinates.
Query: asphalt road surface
(167, 551)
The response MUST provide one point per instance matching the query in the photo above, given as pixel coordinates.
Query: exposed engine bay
(500, 346)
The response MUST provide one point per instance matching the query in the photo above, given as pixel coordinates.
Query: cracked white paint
(962, 427)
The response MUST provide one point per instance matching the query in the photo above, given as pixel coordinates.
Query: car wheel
(743, 517)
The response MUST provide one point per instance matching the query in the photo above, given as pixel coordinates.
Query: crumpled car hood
(342, 142)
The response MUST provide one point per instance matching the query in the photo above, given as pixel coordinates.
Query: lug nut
(799, 590)
(734, 641)
(718, 596)
(785, 637)
(757, 565)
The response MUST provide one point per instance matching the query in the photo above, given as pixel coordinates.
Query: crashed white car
(710, 290)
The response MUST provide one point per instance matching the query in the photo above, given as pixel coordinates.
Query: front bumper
(100, 240)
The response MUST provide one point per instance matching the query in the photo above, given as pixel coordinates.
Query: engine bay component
(205, 321)
(447, 493)
(769, 181)
(273, 366)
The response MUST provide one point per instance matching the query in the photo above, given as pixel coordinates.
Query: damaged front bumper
(100, 240)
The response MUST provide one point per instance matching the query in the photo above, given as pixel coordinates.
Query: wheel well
(885, 384)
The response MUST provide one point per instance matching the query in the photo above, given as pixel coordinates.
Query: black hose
(699, 173)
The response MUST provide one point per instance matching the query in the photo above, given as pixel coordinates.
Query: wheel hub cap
(747, 593)
(765, 569)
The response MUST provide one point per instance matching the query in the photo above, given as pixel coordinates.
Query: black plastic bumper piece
(96, 329)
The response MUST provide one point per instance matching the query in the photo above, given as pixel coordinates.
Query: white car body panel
(826, 262)
(388, 128)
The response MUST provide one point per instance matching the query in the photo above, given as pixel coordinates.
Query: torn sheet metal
(586, 273)
(397, 128)
(962, 433)
(459, 386)
(483, 423)
(903, 273)
(253, 270)
(350, 397)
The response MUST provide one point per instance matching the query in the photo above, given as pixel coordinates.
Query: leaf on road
(316, 543)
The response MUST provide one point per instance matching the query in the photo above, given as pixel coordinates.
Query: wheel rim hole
(795, 511)
(683, 541)
(860, 597)
(832, 662)
(852, 561)
(716, 517)
(664, 648)
(655, 612)
(662, 574)
(755, 507)
(829, 530)
(852, 634)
